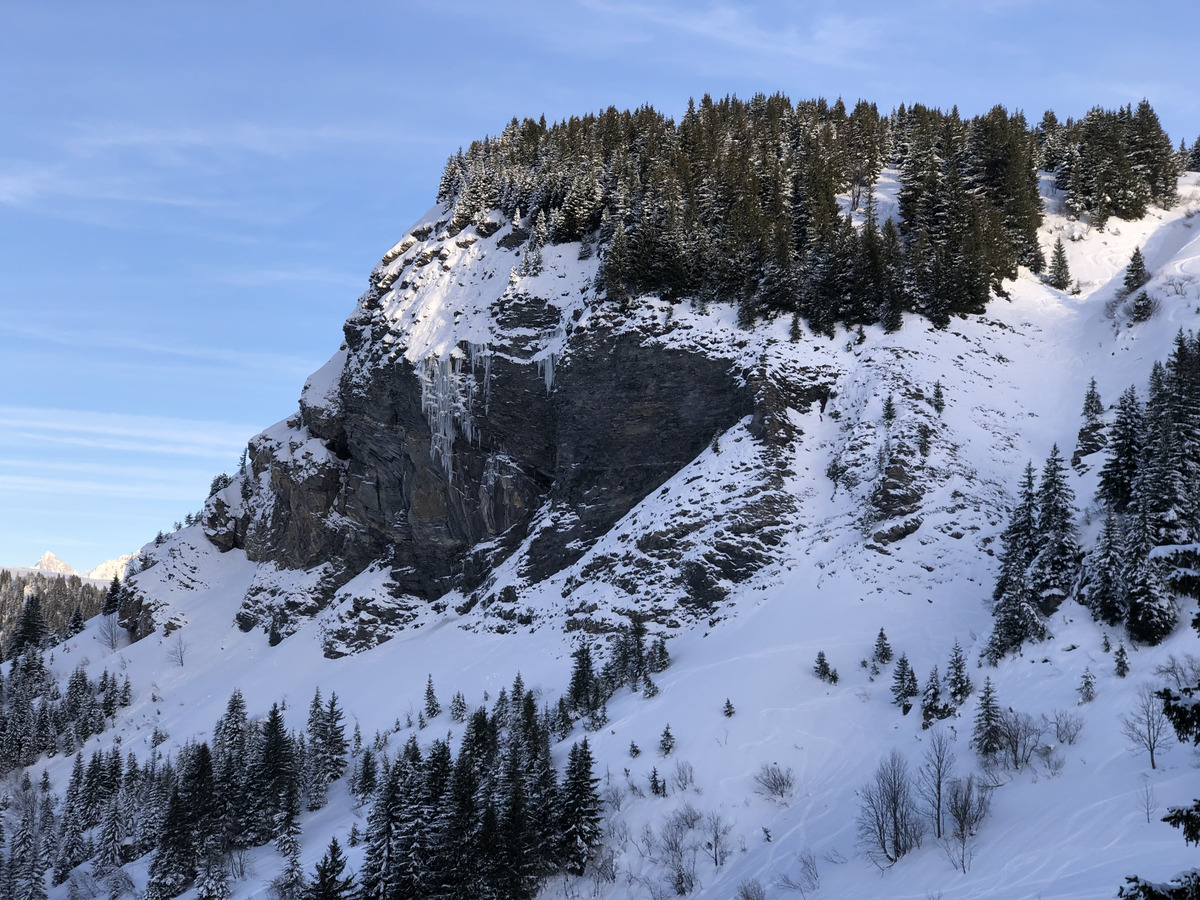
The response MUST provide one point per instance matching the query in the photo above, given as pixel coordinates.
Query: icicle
(546, 369)
(556, 338)
(481, 352)
(447, 399)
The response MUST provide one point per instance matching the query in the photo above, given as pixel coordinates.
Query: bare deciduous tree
(967, 804)
(109, 632)
(1146, 800)
(1146, 726)
(935, 772)
(1020, 735)
(808, 881)
(177, 652)
(889, 824)
(678, 849)
(1182, 673)
(1067, 726)
(716, 837)
(684, 776)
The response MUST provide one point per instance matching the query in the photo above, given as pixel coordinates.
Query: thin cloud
(106, 470)
(175, 145)
(268, 277)
(828, 39)
(276, 363)
(125, 432)
(72, 487)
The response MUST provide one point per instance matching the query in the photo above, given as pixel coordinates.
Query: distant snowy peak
(51, 563)
(113, 567)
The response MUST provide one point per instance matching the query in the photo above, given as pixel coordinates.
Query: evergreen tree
(1059, 276)
(273, 779)
(821, 669)
(666, 742)
(30, 630)
(613, 276)
(174, 864)
(328, 882)
(904, 684)
(728, 709)
(1103, 589)
(1087, 687)
(1091, 433)
(1016, 621)
(933, 707)
(433, 708)
(108, 846)
(883, 650)
(580, 827)
(113, 598)
(581, 690)
(1135, 273)
(532, 262)
(75, 626)
(458, 707)
(957, 680)
(1119, 472)
(1121, 661)
(1152, 609)
(1020, 543)
(1054, 568)
(893, 300)
(380, 866)
(986, 735)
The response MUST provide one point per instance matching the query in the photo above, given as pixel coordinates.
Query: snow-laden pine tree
(1055, 566)
(958, 682)
(883, 650)
(933, 706)
(1019, 540)
(1135, 272)
(986, 734)
(1152, 609)
(1015, 612)
(1059, 276)
(904, 684)
(580, 827)
(1103, 588)
(328, 881)
(1119, 471)
(1091, 437)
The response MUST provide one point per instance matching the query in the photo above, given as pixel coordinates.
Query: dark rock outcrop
(346, 487)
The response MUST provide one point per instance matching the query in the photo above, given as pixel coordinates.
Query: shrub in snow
(776, 782)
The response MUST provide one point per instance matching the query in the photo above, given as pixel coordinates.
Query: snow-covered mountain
(48, 562)
(112, 568)
(496, 466)
(51, 564)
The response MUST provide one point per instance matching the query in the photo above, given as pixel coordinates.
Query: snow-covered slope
(823, 521)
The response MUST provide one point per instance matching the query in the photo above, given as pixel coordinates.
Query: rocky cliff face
(507, 448)
(474, 413)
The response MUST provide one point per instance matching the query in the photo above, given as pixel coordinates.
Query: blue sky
(192, 195)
